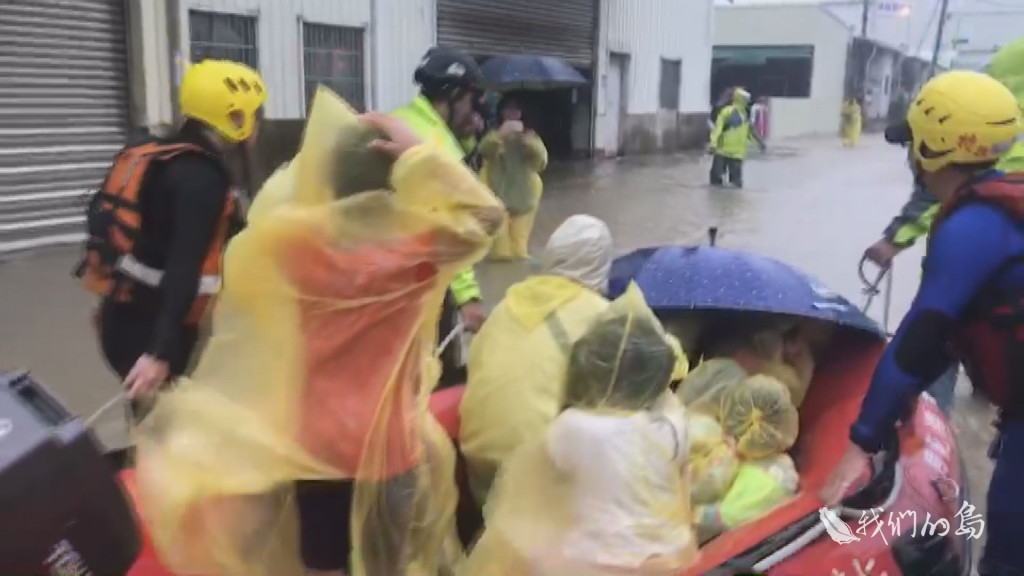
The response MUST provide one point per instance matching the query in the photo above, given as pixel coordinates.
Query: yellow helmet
(224, 95)
(962, 117)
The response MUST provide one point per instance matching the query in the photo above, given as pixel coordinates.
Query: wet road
(811, 203)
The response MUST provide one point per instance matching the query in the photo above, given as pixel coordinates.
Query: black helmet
(443, 70)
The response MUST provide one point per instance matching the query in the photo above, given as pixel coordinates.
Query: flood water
(811, 203)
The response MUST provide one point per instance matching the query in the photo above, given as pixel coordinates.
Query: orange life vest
(989, 340)
(1005, 191)
(109, 268)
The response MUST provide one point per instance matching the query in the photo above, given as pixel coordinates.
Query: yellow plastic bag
(760, 486)
(760, 416)
(603, 493)
(713, 460)
(319, 367)
(703, 389)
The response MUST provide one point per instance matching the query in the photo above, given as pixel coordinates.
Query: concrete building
(655, 60)
(884, 67)
(977, 29)
(80, 78)
(794, 54)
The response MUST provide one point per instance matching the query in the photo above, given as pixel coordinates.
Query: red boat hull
(928, 452)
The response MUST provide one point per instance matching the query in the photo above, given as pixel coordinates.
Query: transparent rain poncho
(605, 492)
(713, 459)
(761, 417)
(512, 165)
(703, 389)
(320, 365)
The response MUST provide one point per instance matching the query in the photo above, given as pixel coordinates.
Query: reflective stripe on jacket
(421, 117)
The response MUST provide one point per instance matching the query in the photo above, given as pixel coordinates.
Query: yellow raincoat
(274, 194)
(319, 367)
(731, 133)
(851, 122)
(603, 491)
(526, 155)
(517, 361)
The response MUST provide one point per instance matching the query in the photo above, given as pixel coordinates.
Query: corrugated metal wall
(654, 29)
(63, 113)
(280, 40)
(403, 30)
(484, 27)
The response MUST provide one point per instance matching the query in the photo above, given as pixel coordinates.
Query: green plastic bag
(760, 486)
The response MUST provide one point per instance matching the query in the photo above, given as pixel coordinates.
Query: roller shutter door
(563, 28)
(63, 113)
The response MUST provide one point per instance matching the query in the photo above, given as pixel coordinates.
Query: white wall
(648, 31)
(403, 31)
(879, 84)
(982, 29)
(794, 25)
(654, 29)
(280, 40)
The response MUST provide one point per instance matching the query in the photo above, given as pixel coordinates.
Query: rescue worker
(729, 139)
(915, 218)
(968, 305)
(320, 368)
(516, 360)
(513, 158)
(851, 122)
(724, 98)
(447, 111)
(159, 225)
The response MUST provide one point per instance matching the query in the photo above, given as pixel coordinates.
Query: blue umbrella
(680, 278)
(529, 72)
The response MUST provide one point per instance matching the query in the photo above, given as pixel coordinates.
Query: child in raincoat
(319, 368)
(851, 122)
(516, 361)
(604, 491)
(513, 159)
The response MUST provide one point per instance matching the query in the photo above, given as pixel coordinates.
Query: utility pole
(938, 38)
(864, 19)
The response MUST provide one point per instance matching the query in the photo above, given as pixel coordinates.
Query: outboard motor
(62, 509)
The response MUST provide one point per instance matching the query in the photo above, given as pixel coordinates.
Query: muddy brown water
(811, 203)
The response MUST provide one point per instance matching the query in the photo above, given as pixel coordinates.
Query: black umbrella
(530, 72)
